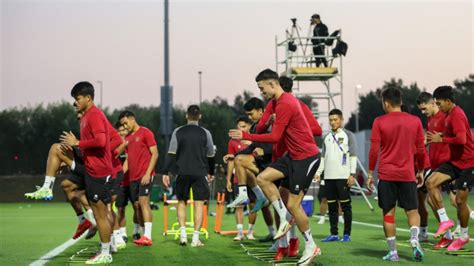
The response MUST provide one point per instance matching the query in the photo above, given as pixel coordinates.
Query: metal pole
(200, 87)
(101, 93)
(358, 86)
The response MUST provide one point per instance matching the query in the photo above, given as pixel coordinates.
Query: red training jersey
(138, 152)
(115, 142)
(394, 135)
(95, 143)
(234, 147)
(439, 152)
(458, 135)
(291, 128)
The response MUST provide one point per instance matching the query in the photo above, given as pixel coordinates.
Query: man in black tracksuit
(320, 30)
(191, 153)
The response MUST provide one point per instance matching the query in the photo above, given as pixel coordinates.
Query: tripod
(295, 29)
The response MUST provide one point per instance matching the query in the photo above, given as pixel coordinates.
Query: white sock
(472, 215)
(448, 235)
(196, 236)
(142, 229)
(240, 228)
(136, 229)
(183, 231)
(271, 230)
(308, 239)
(283, 242)
(105, 248)
(443, 216)
(81, 218)
(258, 192)
(250, 231)
(280, 208)
(90, 216)
(123, 231)
(424, 230)
(112, 240)
(243, 192)
(148, 230)
(49, 182)
(293, 232)
(415, 231)
(464, 236)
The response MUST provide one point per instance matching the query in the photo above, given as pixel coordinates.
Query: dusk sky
(47, 46)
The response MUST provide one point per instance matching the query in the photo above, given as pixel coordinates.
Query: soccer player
(299, 164)
(124, 196)
(192, 151)
(95, 147)
(279, 149)
(438, 154)
(339, 164)
(459, 167)
(394, 138)
(234, 146)
(142, 154)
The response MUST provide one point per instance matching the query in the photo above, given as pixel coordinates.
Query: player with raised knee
(459, 167)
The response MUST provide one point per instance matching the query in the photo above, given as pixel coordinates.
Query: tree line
(28, 132)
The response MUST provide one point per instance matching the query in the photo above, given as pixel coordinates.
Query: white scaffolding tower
(300, 66)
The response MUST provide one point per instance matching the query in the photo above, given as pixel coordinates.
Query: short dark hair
(253, 103)
(444, 93)
(126, 113)
(83, 88)
(392, 96)
(286, 83)
(316, 16)
(193, 112)
(424, 97)
(266, 75)
(335, 112)
(118, 125)
(244, 118)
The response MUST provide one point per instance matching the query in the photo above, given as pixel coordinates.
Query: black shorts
(115, 185)
(97, 189)
(337, 190)
(322, 190)
(184, 184)
(425, 178)
(464, 177)
(300, 173)
(78, 180)
(137, 190)
(123, 197)
(391, 192)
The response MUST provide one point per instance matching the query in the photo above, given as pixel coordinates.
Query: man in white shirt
(339, 164)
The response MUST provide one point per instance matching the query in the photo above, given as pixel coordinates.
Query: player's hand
(210, 178)
(68, 138)
(350, 181)
(259, 151)
(235, 133)
(434, 137)
(228, 157)
(229, 185)
(270, 120)
(145, 180)
(317, 178)
(370, 182)
(166, 181)
(420, 180)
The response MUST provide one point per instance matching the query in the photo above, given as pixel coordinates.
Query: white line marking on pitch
(56, 251)
(381, 227)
